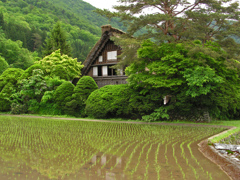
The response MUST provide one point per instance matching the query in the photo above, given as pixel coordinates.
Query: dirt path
(230, 167)
(113, 121)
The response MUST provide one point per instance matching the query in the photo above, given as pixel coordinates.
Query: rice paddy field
(32, 148)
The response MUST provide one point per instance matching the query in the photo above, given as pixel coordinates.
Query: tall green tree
(199, 78)
(55, 64)
(174, 21)
(57, 40)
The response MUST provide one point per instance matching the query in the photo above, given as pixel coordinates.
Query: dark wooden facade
(101, 59)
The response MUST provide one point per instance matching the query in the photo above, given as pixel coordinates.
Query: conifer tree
(57, 40)
(174, 21)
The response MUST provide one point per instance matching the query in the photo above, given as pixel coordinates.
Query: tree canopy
(57, 40)
(54, 62)
(174, 21)
(197, 77)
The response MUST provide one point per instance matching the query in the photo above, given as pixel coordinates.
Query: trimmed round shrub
(63, 94)
(108, 101)
(121, 101)
(28, 72)
(85, 86)
(3, 65)
(59, 71)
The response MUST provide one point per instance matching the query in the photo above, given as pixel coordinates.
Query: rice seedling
(57, 149)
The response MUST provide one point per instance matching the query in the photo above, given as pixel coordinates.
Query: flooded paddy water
(56, 149)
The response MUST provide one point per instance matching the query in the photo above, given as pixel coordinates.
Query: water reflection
(107, 167)
(42, 149)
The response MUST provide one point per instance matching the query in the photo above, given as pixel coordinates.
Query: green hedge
(85, 86)
(63, 94)
(121, 101)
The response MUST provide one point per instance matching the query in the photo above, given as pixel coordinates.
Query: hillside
(85, 10)
(30, 21)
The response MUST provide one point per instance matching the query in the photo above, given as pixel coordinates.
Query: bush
(63, 94)
(5, 104)
(33, 106)
(121, 101)
(18, 108)
(49, 109)
(3, 65)
(85, 86)
(10, 75)
(5, 94)
(29, 71)
(71, 66)
(59, 71)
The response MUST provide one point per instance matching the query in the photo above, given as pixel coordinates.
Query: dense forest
(193, 59)
(25, 24)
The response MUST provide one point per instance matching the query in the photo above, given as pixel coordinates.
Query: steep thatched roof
(107, 32)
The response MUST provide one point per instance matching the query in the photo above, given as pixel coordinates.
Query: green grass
(235, 123)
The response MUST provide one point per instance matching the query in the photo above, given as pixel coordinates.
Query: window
(112, 55)
(105, 70)
(99, 70)
(95, 71)
(111, 71)
(100, 59)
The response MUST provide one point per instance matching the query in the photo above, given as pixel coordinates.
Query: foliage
(17, 108)
(49, 109)
(51, 64)
(15, 55)
(28, 72)
(3, 65)
(57, 40)
(5, 103)
(53, 83)
(158, 114)
(30, 22)
(59, 71)
(120, 101)
(63, 94)
(85, 86)
(34, 87)
(30, 92)
(5, 94)
(176, 21)
(11, 75)
(199, 78)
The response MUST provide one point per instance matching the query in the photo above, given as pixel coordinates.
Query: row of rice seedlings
(134, 151)
(69, 151)
(124, 152)
(133, 170)
(147, 158)
(183, 174)
(116, 151)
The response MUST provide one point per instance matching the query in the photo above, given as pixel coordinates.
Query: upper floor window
(100, 59)
(112, 55)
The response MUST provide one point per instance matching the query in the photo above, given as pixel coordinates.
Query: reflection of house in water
(107, 167)
(102, 57)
